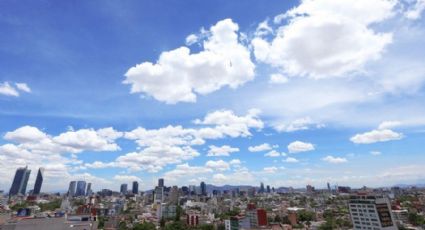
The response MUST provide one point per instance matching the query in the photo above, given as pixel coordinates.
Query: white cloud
(89, 139)
(224, 150)
(23, 87)
(272, 153)
(126, 178)
(270, 170)
(219, 165)
(334, 160)
(191, 39)
(260, 148)
(235, 162)
(9, 90)
(154, 158)
(375, 153)
(185, 171)
(382, 134)
(389, 124)
(327, 38)
(296, 125)
(25, 134)
(178, 75)
(278, 78)
(299, 146)
(415, 11)
(227, 123)
(263, 29)
(290, 160)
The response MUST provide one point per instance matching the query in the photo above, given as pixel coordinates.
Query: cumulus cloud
(278, 78)
(334, 160)
(185, 170)
(273, 153)
(179, 75)
(270, 170)
(173, 144)
(375, 153)
(260, 148)
(299, 146)
(382, 134)
(290, 160)
(23, 87)
(227, 123)
(325, 38)
(303, 123)
(8, 89)
(224, 150)
(219, 165)
(414, 12)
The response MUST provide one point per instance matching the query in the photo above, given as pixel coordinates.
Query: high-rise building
(159, 194)
(38, 182)
(262, 187)
(203, 189)
(161, 182)
(20, 181)
(268, 189)
(71, 189)
(89, 192)
(81, 188)
(329, 188)
(123, 189)
(371, 212)
(135, 188)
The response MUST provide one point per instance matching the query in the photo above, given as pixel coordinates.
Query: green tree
(175, 226)
(179, 211)
(144, 226)
(304, 215)
(122, 225)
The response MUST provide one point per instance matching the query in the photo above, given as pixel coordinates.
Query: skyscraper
(20, 181)
(203, 189)
(81, 188)
(123, 189)
(161, 182)
(262, 187)
(38, 182)
(71, 189)
(89, 191)
(135, 188)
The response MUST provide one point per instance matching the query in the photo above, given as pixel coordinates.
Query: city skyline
(112, 94)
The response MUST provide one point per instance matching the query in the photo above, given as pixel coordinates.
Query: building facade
(38, 181)
(20, 181)
(371, 212)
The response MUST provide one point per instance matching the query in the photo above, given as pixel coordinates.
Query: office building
(71, 189)
(123, 189)
(161, 182)
(371, 212)
(261, 188)
(159, 194)
(135, 188)
(38, 182)
(203, 189)
(20, 181)
(89, 191)
(81, 188)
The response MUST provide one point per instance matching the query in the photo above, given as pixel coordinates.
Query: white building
(371, 212)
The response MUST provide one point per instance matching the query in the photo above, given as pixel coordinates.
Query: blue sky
(112, 92)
